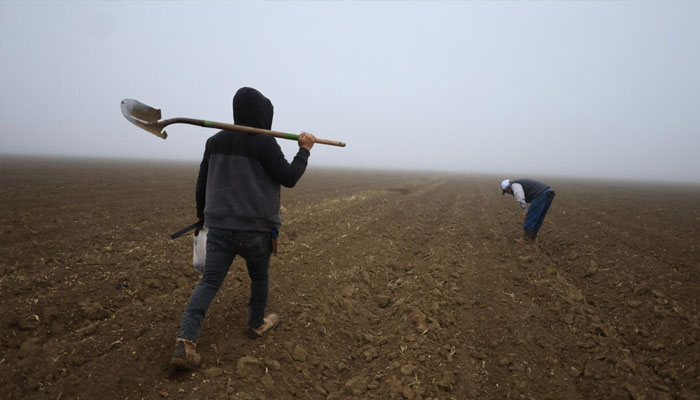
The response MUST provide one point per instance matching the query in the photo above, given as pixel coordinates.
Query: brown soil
(388, 286)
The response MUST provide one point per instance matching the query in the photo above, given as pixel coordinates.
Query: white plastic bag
(199, 255)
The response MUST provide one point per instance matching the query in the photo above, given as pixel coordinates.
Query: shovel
(147, 118)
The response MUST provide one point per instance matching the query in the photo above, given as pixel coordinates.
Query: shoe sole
(180, 363)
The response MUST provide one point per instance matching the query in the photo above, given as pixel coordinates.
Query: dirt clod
(357, 385)
(267, 381)
(29, 347)
(249, 366)
(299, 353)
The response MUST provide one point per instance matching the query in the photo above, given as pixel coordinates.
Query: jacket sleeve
(201, 188)
(280, 170)
(519, 195)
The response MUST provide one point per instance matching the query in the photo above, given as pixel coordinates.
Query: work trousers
(537, 211)
(222, 247)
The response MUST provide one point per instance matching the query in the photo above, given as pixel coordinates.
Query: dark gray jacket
(238, 186)
(531, 187)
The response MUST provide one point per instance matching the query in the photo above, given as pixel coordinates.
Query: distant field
(389, 285)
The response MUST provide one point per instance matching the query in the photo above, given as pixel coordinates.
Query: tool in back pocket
(273, 241)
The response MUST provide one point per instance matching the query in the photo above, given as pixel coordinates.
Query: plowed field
(389, 285)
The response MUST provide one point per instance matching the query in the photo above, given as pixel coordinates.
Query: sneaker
(269, 322)
(185, 355)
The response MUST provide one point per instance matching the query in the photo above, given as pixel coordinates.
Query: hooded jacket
(238, 186)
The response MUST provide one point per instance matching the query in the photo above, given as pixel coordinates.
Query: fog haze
(586, 89)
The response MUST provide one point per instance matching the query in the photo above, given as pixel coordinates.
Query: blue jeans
(537, 211)
(222, 247)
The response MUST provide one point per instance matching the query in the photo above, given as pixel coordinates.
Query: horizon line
(504, 174)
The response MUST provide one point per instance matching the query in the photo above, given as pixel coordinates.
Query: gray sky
(599, 88)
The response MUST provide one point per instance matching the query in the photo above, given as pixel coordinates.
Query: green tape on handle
(208, 124)
(291, 136)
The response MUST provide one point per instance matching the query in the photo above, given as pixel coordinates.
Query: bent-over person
(538, 194)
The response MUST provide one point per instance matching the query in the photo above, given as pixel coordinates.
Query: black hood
(251, 108)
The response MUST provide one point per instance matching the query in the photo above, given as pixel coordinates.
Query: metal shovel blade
(143, 116)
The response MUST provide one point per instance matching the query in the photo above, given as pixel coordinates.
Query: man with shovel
(538, 194)
(238, 196)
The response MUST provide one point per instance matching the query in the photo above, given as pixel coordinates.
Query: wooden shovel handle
(246, 129)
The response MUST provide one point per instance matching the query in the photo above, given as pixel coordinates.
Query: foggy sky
(591, 89)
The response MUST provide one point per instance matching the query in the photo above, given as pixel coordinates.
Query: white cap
(504, 185)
